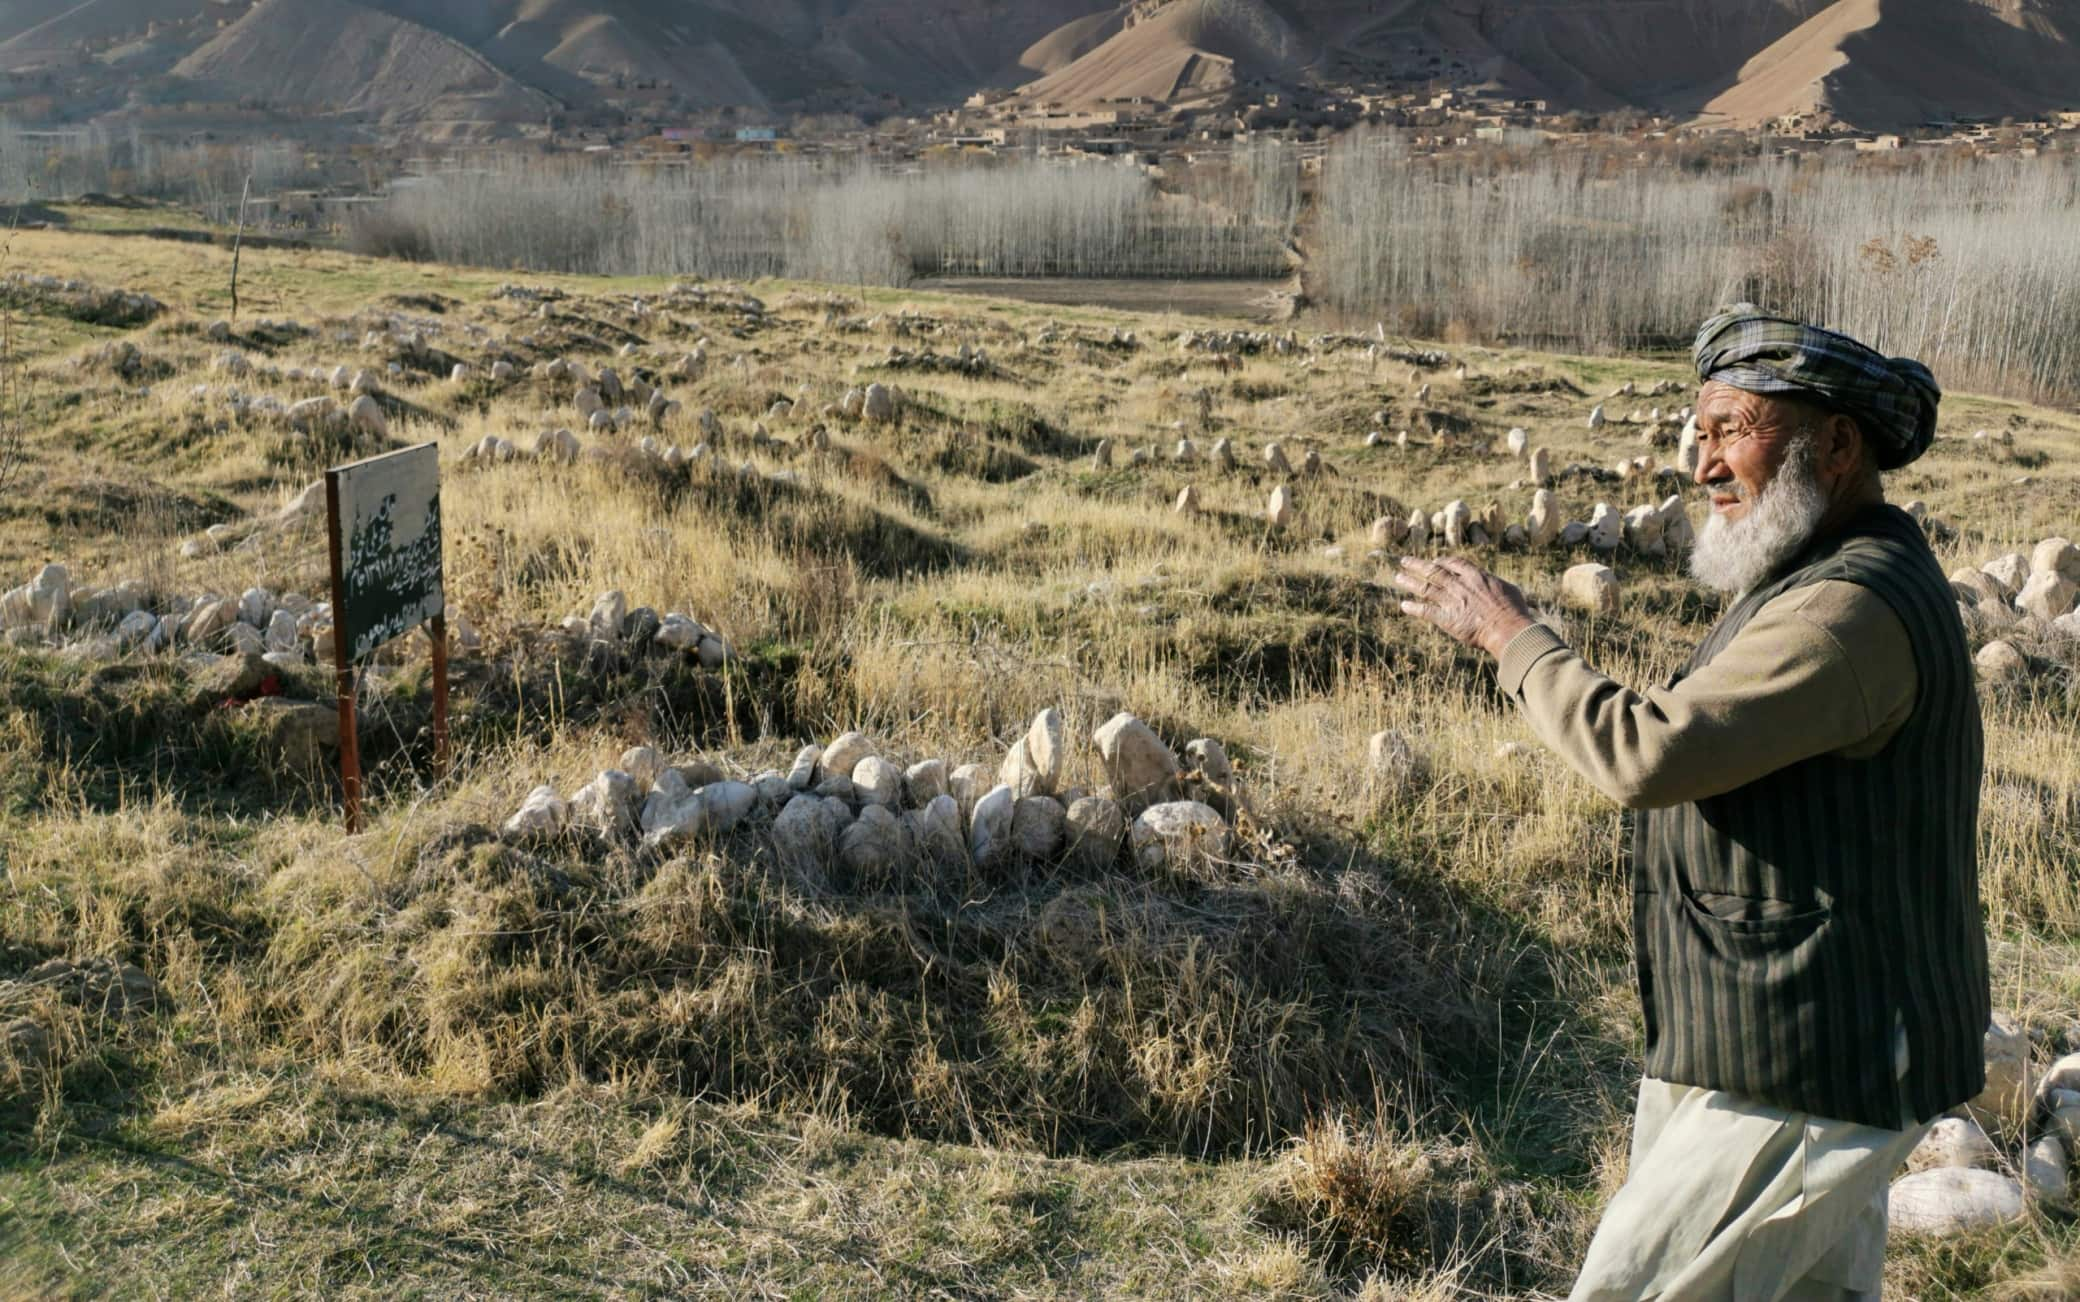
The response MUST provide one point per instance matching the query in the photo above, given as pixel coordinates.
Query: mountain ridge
(493, 64)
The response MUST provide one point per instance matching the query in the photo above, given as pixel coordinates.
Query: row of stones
(1960, 1180)
(285, 629)
(847, 802)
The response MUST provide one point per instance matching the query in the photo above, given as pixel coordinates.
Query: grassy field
(1386, 1050)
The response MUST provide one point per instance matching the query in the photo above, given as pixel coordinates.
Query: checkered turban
(1893, 399)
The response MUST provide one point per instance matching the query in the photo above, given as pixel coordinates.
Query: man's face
(1742, 441)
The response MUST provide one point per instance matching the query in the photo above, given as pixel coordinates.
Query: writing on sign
(388, 565)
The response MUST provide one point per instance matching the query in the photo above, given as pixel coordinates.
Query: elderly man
(1810, 953)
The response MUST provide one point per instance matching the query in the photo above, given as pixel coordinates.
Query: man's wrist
(1495, 639)
(1531, 644)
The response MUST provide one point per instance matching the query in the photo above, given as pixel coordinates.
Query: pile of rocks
(846, 804)
(611, 622)
(286, 630)
(2037, 594)
(877, 404)
(1986, 1162)
(99, 987)
(118, 357)
(1646, 530)
(85, 302)
(967, 361)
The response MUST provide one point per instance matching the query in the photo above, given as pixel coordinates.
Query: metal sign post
(383, 529)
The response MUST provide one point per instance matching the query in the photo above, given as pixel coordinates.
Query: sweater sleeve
(1823, 669)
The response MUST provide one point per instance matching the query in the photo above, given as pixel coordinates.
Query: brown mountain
(1872, 63)
(489, 64)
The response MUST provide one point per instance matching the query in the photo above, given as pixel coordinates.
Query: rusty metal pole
(439, 629)
(349, 745)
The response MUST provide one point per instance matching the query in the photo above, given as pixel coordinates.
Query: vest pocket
(1744, 927)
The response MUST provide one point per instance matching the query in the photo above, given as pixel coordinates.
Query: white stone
(139, 625)
(935, 832)
(2056, 556)
(2047, 594)
(1187, 500)
(1457, 518)
(844, 754)
(1178, 835)
(2045, 1170)
(1140, 767)
(1033, 766)
(806, 833)
(877, 782)
(607, 803)
(989, 827)
(281, 632)
(1677, 535)
(1095, 828)
(1687, 454)
(1591, 587)
(1606, 528)
(366, 416)
(2006, 1098)
(1280, 512)
(1038, 824)
(558, 445)
(50, 596)
(875, 848)
(2010, 570)
(1396, 766)
(207, 619)
(609, 609)
(1517, 440)
(1388, 531)
(801, 775)
(1275, 458)
(256, 607)
(1544, 524)
(2000, 662)
(1596, 418)
(925, 781)
(1954, 1142)
(543, 812)
(878, 404)
(1418, 527)
(1946, 1201)
(1541, 468)
(1643, 531)
(728, 803)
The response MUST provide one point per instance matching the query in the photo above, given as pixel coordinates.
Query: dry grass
(1386, 1051)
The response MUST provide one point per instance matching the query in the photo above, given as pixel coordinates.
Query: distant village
(1156, 135)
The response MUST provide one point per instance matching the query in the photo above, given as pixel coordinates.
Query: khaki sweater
(1823, 669)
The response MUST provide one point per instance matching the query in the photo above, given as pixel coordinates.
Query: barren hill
(1903, 61)
(1180, 52)
(330, 56)
(1872, 63)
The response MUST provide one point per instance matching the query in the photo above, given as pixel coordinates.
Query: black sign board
(383, 518)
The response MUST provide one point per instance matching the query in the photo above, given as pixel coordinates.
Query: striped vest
(1860, 880)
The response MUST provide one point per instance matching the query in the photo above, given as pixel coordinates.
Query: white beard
(1736, 555)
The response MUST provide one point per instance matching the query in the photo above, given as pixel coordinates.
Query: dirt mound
(43, 30)
(1900, 62)
(1185, 51)
(324, 56)
(1070, 42)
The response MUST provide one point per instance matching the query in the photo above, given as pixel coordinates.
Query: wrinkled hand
(1465, 601)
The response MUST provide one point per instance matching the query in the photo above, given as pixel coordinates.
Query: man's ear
(1841, 444)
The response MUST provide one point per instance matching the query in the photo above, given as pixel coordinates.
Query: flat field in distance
(1385, 1046)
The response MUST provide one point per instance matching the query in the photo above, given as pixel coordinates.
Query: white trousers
(1730, 1200)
